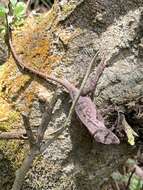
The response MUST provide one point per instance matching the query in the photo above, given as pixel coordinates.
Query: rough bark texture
(70, 32)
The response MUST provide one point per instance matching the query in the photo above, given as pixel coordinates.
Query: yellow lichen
(68, 8)
(67, 36)
(34, 44)
(9, 118)
(14, 151)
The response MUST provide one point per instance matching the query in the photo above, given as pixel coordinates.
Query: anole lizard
(85, 108)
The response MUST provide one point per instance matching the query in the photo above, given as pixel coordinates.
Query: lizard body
(85, 108)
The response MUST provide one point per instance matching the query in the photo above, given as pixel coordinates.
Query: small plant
(17, 13)
(3, 10)
(131, 180)
(135, 184)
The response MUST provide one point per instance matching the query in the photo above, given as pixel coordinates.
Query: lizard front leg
(94, 77)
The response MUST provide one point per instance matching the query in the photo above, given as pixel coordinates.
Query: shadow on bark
(7, 172)
(86, 15)
(94, 162)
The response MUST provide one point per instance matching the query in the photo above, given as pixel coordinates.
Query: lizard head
(105, 136)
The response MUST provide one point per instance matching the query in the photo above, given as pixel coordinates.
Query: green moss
(9, 118)
(13, 151)
(4, 126)
(8, 122)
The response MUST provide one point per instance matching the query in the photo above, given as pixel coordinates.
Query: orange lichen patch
(54, 58)
(29, 95)
(51, 61)
(9, 69)
(18, 83)
(12, 80)
(37, 52)
(8, 77)
(33, 42)
(4, 110)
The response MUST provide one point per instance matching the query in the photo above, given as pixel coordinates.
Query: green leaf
(131, 162)
(2, 11)
(136, 183)
(13, 2)
(139, 185)
(19, 9)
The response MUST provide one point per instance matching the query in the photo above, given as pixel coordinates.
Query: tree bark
(22, 171)
(75, 30)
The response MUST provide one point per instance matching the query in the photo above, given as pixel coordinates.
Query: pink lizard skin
(85, 108)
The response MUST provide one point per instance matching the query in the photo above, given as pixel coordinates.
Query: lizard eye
(100, 135)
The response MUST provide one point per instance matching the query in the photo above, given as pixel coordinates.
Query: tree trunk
(68, 37)
(21, 172)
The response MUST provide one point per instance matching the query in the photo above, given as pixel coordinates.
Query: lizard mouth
(106, 137)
